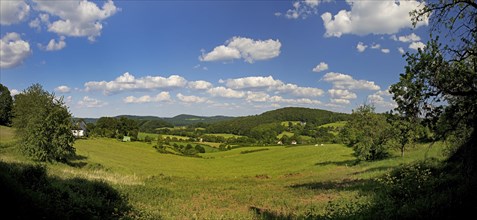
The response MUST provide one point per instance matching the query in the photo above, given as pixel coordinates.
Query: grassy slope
(6, 134)
(285, 180)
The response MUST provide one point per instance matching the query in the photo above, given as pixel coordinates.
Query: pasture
(287, 181)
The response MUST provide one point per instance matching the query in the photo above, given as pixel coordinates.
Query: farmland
(288, 181)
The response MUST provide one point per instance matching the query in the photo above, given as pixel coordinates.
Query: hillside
(245, 125)
(183, 119)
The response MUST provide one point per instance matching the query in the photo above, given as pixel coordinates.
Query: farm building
(79, 129)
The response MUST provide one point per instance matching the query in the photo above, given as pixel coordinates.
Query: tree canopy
(43, 125)
(6, 104)
(440, 81)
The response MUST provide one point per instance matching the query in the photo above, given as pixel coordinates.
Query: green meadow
(234, 184)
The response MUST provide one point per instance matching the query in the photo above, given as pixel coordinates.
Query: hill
(183, 119)
(245, 125)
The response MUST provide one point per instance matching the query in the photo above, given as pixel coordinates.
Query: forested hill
(244, 125)
(181, 120)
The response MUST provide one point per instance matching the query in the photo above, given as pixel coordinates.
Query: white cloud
(385, 50)
(361, 47)
(371, 17)
(417, 45)
(248, 49)
(305, 101)
(14, 92)
(307, 92)
(91, 102)
(191, 98)
(302, 9)
(257, 97)
(253, 82)
(225, 92)
(382, 99)
(409, 38)
(199, 85)
(375, 46)
(271, 84)
(342, 94)
(340, 101)
(63, 89)
(12, 12)
(127, 82)
(13, 50)
(343, 81)
(54, 45)
(78, 18)
(401, 50)
(161, 97)
(320, 67)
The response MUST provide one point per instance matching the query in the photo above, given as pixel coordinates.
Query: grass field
(338, 124)
(6, 134)
(290, 181)
(225, 135)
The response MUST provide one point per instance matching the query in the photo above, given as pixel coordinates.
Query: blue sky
(235, 58)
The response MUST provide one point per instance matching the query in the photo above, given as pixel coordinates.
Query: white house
(79, 129)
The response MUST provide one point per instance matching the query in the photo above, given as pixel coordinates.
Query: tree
(440, 81)
(6, 103)
(43, 125)
(368, 133)
(404, 130)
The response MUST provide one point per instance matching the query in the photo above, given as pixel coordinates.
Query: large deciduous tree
(6, 103)
(368, 133)
(43, 125)
(440, 80)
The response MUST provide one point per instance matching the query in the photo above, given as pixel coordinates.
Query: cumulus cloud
(244, 48)
(13, 50)
(78, 18)
(161, 97)
(270, 84)
(127, 82)
(225, 92)
(91, 102)
(302, 9)
(343, 81)
(63, 89)
(191, 98)
(409, 38)
(12, 12)
(401, 50)
(320, 67)
(56, 45)
(375, 46)
(306, 101)
(252, 82)
(385, 50)
(342, 94)
(14, 92)
(371, 17)
(417, 45)
(378, 100)
(361, 47)
(199, 85)
(257, 96)
(340, 101)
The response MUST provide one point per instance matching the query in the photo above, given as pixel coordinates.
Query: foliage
(245, 125)
(6, 104)
(116, 128)
(405, 131)
(29, 193)
(440, 81)
(367, 133)
(43, 125)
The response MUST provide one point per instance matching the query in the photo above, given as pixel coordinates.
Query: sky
(233, 58)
